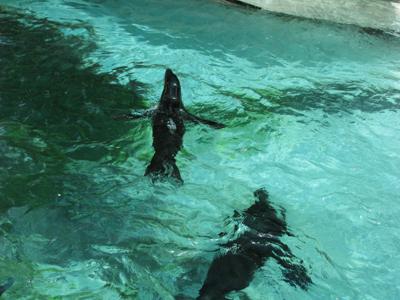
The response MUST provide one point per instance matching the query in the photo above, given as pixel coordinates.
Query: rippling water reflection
(312, 115)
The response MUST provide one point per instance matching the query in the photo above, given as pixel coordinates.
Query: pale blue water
(313, 115)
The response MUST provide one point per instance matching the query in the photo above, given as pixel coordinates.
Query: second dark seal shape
(243, 256)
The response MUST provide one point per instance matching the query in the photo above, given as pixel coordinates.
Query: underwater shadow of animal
(234, 270)
(54, 108)
(329, 98)
(168, 123)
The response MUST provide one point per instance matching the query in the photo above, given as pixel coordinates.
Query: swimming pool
(312, 115)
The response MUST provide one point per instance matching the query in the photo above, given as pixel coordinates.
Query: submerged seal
(243, 256)
(168, 128)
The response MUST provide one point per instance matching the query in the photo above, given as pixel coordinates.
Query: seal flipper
(135, 115)
(294, 274)
(190, 117)
(176, 173)
(5, 286)
(161, 167)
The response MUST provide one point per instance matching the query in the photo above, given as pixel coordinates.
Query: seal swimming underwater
(234, 270)
(168, 128)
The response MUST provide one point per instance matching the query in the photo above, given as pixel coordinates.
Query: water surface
(312, 114)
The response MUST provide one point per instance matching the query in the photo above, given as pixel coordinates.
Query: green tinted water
(312, 115)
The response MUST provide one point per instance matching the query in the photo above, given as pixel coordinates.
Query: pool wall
(374, 14)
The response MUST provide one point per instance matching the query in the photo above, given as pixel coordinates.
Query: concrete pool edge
(377, 14)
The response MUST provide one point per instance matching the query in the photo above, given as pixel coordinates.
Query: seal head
(171, 99)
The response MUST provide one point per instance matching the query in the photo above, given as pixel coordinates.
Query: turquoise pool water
(312, 114)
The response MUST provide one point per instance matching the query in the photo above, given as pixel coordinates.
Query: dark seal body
(168, 130)
(243, 256)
